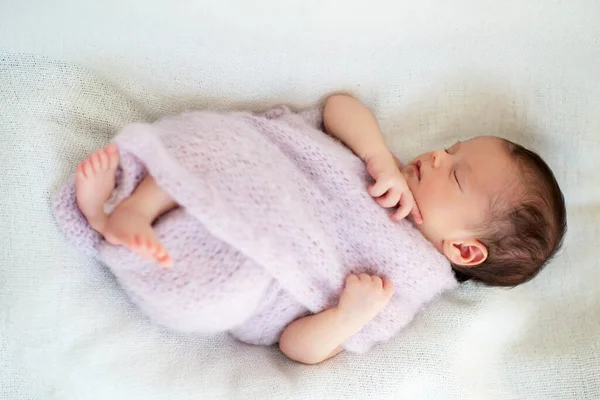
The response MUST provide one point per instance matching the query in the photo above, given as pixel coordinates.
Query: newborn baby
(488, 208)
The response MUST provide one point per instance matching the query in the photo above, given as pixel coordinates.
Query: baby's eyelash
(457, 182)
(446, 150)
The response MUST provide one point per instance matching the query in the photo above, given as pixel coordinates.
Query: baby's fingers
(416, 215)
(379, 188)
(390, 199)
(406, 205)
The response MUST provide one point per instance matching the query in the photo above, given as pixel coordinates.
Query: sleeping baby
(263, 226)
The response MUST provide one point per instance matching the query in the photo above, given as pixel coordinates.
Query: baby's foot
(94, 183)
(131, 229)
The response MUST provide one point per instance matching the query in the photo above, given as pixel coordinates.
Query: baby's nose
(437, 157)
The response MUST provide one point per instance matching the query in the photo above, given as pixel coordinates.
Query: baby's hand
(390, 188)
(364, 296)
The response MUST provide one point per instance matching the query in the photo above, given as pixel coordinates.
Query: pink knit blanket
(274, 215)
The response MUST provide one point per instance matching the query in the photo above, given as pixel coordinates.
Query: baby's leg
(130, 224)
(94, 183)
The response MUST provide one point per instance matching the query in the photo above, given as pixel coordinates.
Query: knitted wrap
(274, 215)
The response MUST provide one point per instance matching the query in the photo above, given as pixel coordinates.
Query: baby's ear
(468, 253)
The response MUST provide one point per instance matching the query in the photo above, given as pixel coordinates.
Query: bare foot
(94, 183)
(132, 229)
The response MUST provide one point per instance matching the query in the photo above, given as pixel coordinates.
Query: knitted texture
(274, 215)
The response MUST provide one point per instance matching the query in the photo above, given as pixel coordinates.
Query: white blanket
(71, 73)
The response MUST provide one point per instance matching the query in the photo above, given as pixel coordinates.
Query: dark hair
(523, 235)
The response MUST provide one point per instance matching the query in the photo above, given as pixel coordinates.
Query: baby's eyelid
(456, 179)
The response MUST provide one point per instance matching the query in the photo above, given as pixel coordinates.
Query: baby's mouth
(418, 169)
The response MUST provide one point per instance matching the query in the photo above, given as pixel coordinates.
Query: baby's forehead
(486, 150)
(491, 168)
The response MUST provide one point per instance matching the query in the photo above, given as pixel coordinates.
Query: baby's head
(492, 207)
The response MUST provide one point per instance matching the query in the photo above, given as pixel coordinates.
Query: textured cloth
(276, 215)
(73, 72)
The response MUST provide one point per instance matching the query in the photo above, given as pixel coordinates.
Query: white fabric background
(71, 72)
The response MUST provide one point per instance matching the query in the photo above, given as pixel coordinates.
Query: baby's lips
(413, 169)
(418, 169)
(408, 171)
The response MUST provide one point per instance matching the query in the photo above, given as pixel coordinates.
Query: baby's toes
(88, 170)
(95, 161)
(80, 171)
(103, 160)
(112, 154)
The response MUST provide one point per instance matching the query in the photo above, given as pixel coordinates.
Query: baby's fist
(390, 188)
(364, 296)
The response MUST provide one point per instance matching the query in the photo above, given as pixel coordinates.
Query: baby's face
(454, 187)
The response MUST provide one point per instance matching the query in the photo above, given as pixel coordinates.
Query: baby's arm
(354, 124)
(315, 338)
(350, 121)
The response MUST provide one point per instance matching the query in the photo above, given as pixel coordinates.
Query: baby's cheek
(432, 210)
(425, 197)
